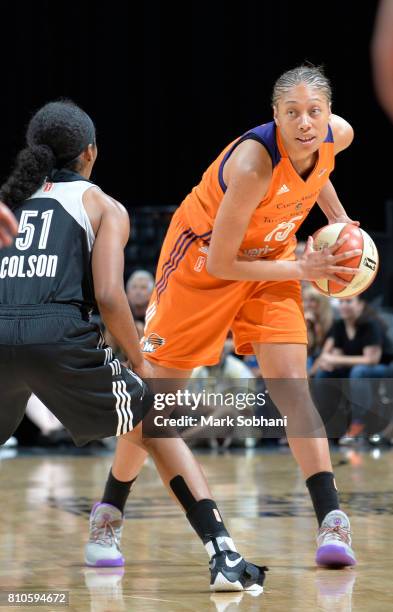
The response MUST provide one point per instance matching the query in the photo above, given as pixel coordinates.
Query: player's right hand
(325, 264)
(8, 226)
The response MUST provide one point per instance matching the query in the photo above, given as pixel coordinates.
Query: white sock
(222, 543)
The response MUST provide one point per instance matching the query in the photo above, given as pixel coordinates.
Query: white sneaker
(10, 443)
(103, 547)
(334, 541)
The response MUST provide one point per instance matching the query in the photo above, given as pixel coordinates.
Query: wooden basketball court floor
(45, 506)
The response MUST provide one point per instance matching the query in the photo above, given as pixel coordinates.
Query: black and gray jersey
(50, 260)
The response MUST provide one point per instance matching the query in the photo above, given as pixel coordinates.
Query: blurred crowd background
(360, 403)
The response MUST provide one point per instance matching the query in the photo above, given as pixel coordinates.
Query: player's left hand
(344, 219)
(8, 226)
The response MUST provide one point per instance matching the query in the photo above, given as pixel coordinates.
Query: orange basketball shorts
(191, 311)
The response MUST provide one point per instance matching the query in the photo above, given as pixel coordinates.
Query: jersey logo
(322, 172)
(48, 186)
(204, 249)
(257, 252)
(152, 343)
(200, 262)
(283, 229)
(283, 189)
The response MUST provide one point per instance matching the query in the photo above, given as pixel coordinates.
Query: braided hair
(310, 75)
(55, 137)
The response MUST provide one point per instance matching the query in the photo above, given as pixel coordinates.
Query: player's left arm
(328, 200)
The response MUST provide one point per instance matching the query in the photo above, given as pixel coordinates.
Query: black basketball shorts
(52, 351)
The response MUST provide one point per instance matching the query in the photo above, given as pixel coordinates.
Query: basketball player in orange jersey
(228, 262)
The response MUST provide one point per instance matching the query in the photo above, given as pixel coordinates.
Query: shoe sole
(221, 584)
(334, 556)
(106, 563)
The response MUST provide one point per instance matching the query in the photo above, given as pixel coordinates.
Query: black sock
(323, 492)
(116, 492)
(205, 518)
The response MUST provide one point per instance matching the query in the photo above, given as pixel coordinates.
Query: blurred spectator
(318, 314)
(139, 288)
(251, 362)
(357, 348)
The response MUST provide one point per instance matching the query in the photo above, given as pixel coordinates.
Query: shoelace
(336, 533)
(104, 533)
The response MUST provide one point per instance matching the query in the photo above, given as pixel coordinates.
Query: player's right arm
(248, 174)
(111, 225)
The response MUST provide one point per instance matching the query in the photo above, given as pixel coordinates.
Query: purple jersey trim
(264, 134)
(176, 257)
(329, 137)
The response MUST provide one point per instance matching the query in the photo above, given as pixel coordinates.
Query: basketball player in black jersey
(68, 256)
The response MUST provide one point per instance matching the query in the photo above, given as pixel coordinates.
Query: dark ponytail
(56, 136)
(33, 165)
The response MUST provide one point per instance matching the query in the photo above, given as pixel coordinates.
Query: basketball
(367, 262)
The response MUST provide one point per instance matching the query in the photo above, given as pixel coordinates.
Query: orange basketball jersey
(283, 209)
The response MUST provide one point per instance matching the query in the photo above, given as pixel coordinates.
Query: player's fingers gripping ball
(367, 262)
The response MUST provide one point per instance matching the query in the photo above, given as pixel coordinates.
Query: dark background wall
(169, 84)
